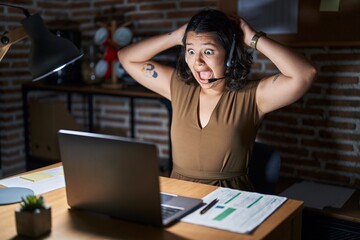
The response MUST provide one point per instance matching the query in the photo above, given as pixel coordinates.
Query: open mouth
(204, 76)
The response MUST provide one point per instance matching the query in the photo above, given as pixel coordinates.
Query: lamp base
(12, 195)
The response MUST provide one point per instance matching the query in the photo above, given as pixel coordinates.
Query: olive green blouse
(219, 153)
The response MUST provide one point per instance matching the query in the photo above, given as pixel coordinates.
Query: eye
(191, 51)
(209, 52)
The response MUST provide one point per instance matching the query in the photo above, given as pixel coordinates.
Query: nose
(199, 60)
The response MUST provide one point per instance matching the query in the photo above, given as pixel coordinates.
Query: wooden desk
(284, 224)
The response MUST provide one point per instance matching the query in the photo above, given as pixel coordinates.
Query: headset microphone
(228, 62)
(211, 80)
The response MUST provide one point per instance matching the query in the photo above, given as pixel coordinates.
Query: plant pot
(33, 223)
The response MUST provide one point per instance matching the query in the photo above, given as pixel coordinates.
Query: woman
(216, 109)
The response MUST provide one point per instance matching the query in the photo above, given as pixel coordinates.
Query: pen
(210, 205)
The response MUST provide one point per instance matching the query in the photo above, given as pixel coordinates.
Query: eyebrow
(212, 44)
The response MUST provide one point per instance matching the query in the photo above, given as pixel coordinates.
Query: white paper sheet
(55, 181)
(318, 195)
(236, 211)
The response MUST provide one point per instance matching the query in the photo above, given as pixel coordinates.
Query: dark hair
(227, 30)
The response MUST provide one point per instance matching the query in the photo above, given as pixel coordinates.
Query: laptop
(119, 177)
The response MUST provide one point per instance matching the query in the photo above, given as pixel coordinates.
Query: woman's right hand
(179, 33)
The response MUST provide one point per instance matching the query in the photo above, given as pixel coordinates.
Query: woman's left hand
(248, 31)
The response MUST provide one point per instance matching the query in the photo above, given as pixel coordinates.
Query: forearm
(289, 63)
(295, 78)
(136, 60)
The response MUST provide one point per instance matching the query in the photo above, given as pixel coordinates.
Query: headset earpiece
(231, 53)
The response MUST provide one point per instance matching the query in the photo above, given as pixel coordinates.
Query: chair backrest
(264, 168)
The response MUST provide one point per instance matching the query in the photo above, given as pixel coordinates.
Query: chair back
(264, 168)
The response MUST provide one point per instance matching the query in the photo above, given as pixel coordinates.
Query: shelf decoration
(112, 38)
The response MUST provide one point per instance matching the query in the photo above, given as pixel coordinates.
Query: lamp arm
(25, 11)
(10, 38)
(3, 51)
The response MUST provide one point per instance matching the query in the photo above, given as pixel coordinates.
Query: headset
(229, 61)
(231, 53)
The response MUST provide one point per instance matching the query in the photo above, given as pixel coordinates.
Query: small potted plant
(33, 218)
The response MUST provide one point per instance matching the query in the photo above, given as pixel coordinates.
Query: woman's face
(205, 57)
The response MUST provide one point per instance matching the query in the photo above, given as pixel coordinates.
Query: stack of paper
(40, 182)
(236, 211)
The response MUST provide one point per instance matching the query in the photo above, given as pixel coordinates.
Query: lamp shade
(48, 52)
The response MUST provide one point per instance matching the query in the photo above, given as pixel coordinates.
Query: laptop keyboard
(168, 211)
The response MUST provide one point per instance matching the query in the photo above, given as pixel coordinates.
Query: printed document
(40, 182)
(236, 211)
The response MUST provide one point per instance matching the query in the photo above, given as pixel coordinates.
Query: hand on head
(179, 33)
(248, 31)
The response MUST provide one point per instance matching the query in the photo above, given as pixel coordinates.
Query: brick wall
(318, 136)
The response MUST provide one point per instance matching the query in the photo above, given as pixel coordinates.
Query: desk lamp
(48, 53)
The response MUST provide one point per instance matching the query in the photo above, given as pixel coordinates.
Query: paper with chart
(236, 211)
(40, 182)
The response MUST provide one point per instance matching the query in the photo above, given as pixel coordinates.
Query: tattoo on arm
(149, 70)
(275, 77)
